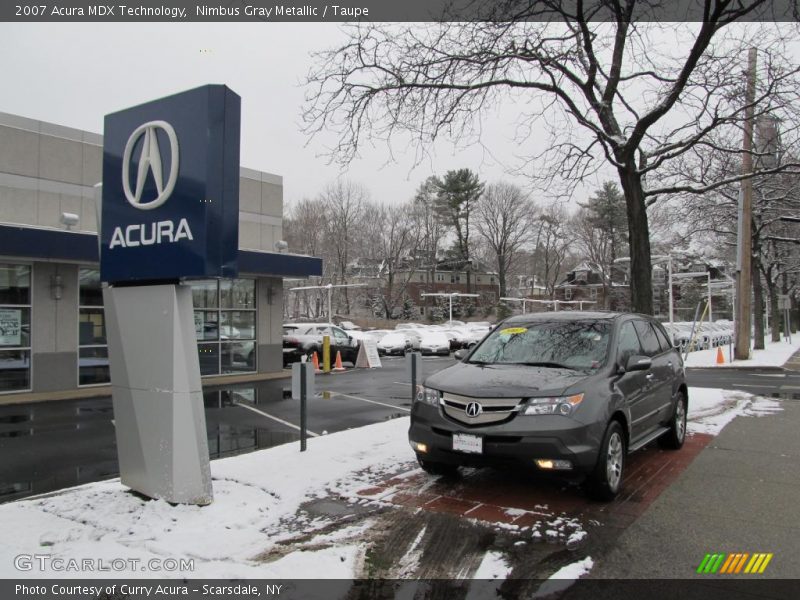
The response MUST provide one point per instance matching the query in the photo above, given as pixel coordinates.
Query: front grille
(494, 410)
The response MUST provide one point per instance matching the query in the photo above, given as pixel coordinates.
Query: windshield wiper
(552, 365)
(479, 362)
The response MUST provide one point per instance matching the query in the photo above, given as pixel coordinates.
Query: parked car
(377, 334)
(303, 339)
(679, 336)
(452, 337)
(397, 342)
(473, 336)
(434, 342)
(570, 393)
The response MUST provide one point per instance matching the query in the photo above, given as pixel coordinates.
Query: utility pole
(744, 276)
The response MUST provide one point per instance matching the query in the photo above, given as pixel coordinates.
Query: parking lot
(539, 524)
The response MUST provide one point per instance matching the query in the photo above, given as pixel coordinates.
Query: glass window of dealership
(15, 327)
(224, 318)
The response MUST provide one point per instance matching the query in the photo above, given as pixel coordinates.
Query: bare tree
(552, 240)
(502, 218)
(399, 241)
(344, 203)
(429, 224)
(613, 93)
(304, 230)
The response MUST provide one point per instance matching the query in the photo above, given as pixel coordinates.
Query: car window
(339, 335)
(574, 344)
(647, 336)
(628, 344)
(663, 339)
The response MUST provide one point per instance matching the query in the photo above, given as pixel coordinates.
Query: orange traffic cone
(720, 357)
(315, 362)
(338, 366)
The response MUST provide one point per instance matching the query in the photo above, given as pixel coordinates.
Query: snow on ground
(564, 578)
(711, 409)
(257, 505)
(773, 355)
(256, 497)
(493, 566)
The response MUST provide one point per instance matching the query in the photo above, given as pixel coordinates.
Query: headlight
(562, 405)
(427, 395)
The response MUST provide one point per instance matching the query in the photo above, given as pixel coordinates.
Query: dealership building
(52, 321)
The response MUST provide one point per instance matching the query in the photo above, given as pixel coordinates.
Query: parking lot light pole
(450, 295)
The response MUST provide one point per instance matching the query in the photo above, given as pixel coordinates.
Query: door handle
(649, 376)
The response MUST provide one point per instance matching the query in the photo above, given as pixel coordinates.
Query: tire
(674, 438)
(436, 468)
(605, 481)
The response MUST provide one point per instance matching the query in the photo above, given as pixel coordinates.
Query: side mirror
(460, 354)
(638, 363)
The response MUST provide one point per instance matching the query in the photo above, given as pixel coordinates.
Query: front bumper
(517, 442)
(391, 351)
(441, 351)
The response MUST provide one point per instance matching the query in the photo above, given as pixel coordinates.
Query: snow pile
(564, 578)
(712, 409)
(493, 566)
(773, 355)
(256, 497)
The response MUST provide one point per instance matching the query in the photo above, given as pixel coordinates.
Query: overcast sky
(74, 74)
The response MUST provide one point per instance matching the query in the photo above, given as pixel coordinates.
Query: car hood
(503, 381)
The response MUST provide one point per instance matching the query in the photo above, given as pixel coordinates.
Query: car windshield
(579, 345)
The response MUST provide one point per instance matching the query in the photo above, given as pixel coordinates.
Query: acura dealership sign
(171, 188)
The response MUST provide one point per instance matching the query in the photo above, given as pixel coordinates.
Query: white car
(377, 334)
(397, 342)
(434, 342)
(474, 335)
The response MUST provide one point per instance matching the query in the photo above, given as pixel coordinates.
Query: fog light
(419, 447)
(554, 465)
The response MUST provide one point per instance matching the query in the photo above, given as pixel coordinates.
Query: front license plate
(464, 442)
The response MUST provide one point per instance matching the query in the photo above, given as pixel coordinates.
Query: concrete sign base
(157, 394)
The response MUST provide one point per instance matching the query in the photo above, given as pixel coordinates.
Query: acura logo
(150, 161)
(473, 409)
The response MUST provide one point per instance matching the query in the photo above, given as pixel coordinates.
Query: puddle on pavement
(49, 446)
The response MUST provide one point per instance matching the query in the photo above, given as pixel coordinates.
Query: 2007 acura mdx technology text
(567, 392)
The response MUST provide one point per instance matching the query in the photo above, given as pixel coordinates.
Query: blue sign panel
(171, 188)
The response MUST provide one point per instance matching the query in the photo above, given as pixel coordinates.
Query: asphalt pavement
(740, 495)
(52, 445)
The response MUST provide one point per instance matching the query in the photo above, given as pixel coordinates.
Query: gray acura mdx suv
(566, 392)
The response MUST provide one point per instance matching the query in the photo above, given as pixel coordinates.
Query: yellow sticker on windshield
(513, 330)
